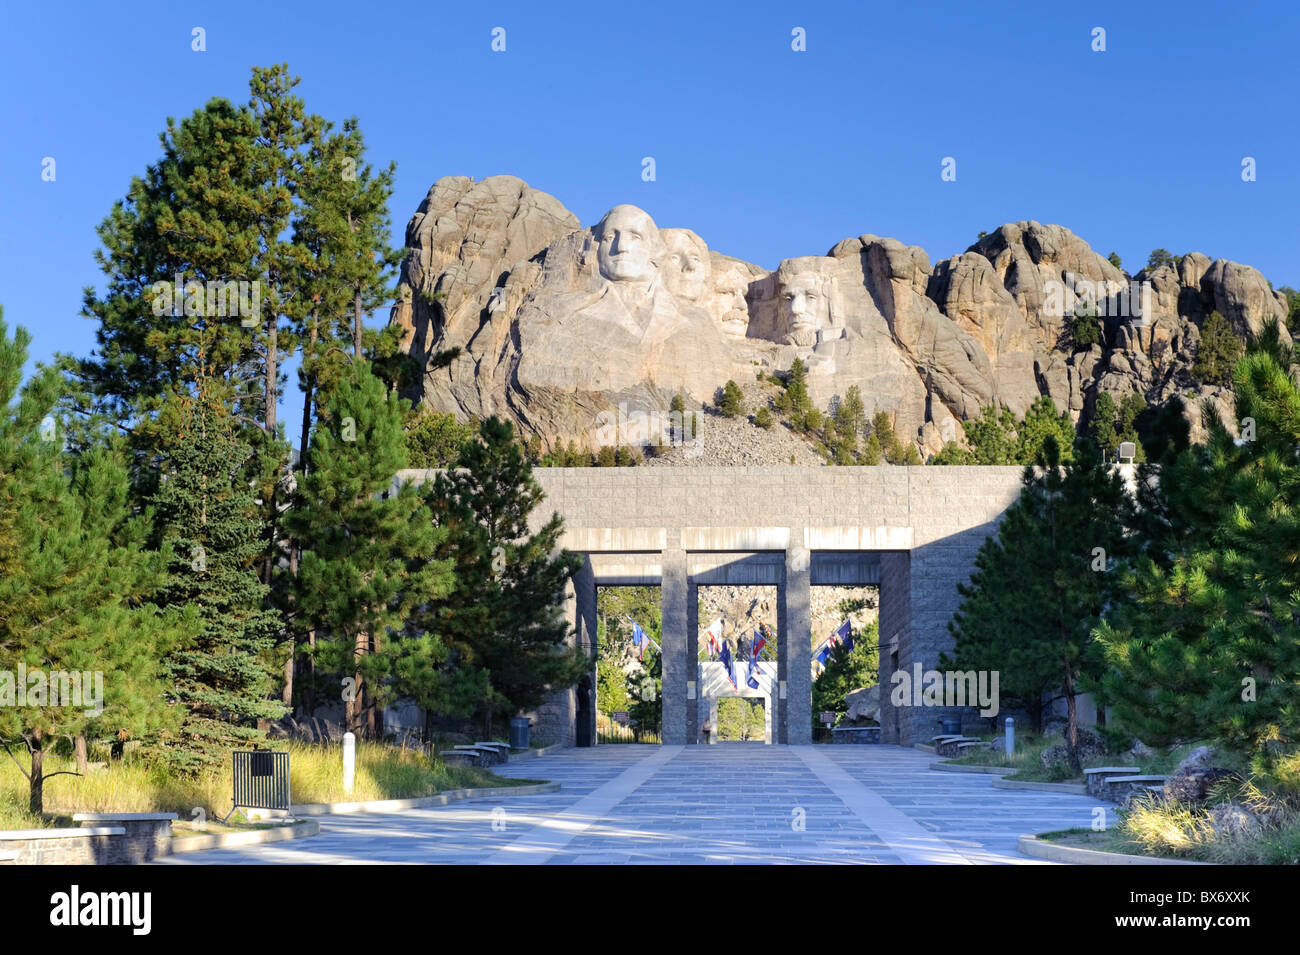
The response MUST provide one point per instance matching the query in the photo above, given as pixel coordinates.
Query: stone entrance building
(912, 531)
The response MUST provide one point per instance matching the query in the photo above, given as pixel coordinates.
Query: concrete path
(728, 803)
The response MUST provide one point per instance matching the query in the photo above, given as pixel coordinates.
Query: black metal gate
(261, 779)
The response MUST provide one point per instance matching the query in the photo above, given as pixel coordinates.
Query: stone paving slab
(697, 805)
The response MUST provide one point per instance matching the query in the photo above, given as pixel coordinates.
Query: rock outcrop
(567, 330)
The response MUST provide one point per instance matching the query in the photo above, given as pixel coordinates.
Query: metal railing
(261, 779)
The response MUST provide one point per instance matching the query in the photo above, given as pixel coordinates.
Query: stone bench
(487, 756)
(949, 746)
(1120, 789)
(458, 755)
(1095, 778)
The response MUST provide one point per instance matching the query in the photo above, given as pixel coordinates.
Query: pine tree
(367, 562)
(208, 526)
(1043, 581)
(1217, 351)
(732, 399)
(73, 583)
(504, 614)
(1207, 644)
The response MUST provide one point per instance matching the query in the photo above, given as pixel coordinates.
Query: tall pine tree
(505, 615)
(368, 552)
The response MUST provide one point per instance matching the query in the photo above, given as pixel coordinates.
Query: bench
(1120, 789)
(1095, 778)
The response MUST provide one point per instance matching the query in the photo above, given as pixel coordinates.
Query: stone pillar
(895, 644)
(692, 661)
(676, 626)
(794, 656)
(586, 631)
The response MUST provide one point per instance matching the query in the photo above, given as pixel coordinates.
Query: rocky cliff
(586, 334)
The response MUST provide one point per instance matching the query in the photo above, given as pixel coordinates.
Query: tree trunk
(1072, 723)
(356, 324)
(37, 801)
(79, 753)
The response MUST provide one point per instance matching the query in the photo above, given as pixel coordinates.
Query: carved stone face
(729, 288)
(687, 270)
(803, 298)
(630, 247)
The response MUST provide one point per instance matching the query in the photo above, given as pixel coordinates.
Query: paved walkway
(737, 803)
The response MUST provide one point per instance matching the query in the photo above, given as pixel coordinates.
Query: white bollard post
(349, 762)
(1011, 736)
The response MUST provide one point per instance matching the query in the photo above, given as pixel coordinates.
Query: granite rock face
(585, 334)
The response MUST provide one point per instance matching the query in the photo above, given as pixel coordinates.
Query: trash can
(519, 730)
(951, 726)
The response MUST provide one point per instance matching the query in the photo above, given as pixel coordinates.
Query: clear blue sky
(765, 152)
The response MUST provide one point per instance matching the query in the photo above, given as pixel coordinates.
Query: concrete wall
(918, 529)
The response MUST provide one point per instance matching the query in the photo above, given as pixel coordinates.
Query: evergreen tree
(732, 399)
(73, 584)
(1044, 581)
(434, 439)
(209, 529)
(504, 615)
(1159, 257)
(1217, 351)
(1207, 645)
(367, 563)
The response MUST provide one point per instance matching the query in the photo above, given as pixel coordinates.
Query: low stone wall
(855, 734)
(85, 846)
(146, 835)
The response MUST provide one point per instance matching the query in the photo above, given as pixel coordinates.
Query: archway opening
(629, 664)
(845, 659)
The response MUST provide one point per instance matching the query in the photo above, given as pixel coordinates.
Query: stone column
(895, 644)
(794, 658)
(676, 627)
(584, 585)
(692, 657)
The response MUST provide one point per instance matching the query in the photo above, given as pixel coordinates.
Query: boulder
(864, 704)
(1193, 784)
(1091, 745)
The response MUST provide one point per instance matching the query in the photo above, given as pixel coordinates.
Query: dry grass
(134, 785)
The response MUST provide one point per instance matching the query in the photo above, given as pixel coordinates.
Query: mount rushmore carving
(557, 324)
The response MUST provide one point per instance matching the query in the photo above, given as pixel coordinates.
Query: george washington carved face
(629, 245)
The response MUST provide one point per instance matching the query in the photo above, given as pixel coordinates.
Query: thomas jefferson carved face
(687, 271)
(630, 247)
(804, 300)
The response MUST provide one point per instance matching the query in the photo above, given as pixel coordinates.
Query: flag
(713, 637)
(639, 640)
(751, 680)
(760, 641)
(845, 634)
(824, 653)
(727, 666)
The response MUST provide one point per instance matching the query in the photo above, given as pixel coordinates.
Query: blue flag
(845, 634)
(727, 665)
(751, 680)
